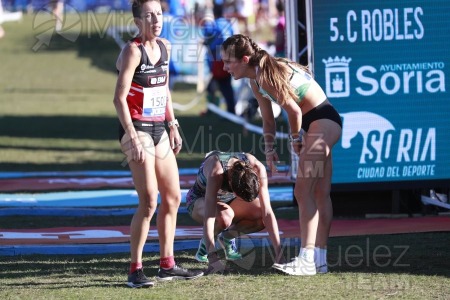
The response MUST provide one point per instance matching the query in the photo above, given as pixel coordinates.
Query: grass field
(57, 115)
(56, 101)
(410, 266)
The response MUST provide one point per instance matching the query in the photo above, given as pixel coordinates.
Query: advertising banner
(385, 67)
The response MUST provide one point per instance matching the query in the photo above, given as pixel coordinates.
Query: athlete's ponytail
(244, 181)
(273, 70)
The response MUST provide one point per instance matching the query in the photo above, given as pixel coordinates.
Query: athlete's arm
(268, 216)
(126, 64)
(174, 135)
(214, 175)
(294, 114)
(269, 127)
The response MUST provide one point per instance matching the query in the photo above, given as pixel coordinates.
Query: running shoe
(137, 279)
(298, 267)
(229, 247)
(201, 255)
(177, 272)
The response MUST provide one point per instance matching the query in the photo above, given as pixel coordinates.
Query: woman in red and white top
(143, 102)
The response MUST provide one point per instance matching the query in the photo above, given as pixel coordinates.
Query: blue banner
(385, 67)
(84, 5)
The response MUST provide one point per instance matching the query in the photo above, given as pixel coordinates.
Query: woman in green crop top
(315, 128)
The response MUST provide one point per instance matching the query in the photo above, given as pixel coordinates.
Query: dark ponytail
(244, 181)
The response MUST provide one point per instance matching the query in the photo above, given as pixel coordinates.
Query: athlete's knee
(259, 225)
(174, 200)
(170, 204)
(224, 218)
(302, 191)
(147, 205)
(223, 223)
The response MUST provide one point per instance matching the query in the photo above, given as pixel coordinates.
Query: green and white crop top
(300, 81)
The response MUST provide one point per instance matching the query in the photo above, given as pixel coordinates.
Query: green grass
(56, 103)
(409, 266)
(398, 266)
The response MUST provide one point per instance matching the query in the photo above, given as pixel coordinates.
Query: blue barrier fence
(84, 5)
(80, 5)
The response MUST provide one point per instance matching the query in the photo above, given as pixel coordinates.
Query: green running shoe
(201, 255)
(229, 246)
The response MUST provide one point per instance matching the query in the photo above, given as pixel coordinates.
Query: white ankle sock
(307, 254)
(320, 256)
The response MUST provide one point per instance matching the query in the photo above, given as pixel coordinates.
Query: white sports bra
(300, 81)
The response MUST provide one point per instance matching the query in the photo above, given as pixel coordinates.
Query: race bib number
(155, 99)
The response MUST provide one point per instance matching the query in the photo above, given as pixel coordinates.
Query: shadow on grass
(200, 136)
(92, 165)
(98, 47)
(60, 127)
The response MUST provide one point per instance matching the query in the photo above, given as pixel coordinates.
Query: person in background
(8, 16)
(315, 128)
(230, 197)
(57, 7)
(262, 13)
(280, 31)
(215, 32)
(2, 31)
(143, 102)
(242, 10)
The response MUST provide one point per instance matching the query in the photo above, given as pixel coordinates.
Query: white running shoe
(298, 267)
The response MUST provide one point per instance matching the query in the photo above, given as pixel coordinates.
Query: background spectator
(215, 32)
